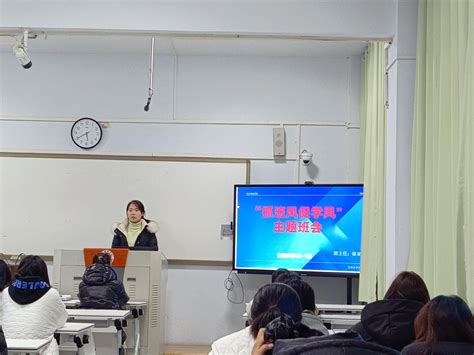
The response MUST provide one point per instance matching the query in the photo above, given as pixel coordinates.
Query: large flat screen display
(306, 228)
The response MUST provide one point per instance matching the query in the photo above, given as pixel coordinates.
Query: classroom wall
(203, 106)
(315, 98)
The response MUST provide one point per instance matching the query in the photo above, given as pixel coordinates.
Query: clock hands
(84, 134)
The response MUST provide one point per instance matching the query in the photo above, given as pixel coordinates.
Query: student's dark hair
(138, 204)
(102, 258)
(286, 278)
(408, 285)
(270, 302)
(444, 318)
(305, 293)
(33, 266)
(5, 275)
(277, 273)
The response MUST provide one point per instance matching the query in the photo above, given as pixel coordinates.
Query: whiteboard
(49, 203)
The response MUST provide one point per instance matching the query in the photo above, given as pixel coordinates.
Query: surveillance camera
(22, 56)
(306, 157)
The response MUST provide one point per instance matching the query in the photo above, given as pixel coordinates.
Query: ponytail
(285, 327)
(102, 258)
(264, 318)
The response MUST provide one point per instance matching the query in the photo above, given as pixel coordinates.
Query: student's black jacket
(389, 322)
(100, 288)
(3, 344)
(146, 240)
(441, 348)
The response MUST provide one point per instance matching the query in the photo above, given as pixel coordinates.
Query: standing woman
(136, 231)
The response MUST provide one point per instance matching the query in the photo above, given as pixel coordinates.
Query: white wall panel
(231, 141)
(104, 86)
(262, 88)
(331, 149)
(273, 172)
(200, 312)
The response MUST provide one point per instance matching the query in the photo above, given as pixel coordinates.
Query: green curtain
(373, 133)
(442, 206)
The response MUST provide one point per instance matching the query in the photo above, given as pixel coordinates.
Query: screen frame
(352, 275)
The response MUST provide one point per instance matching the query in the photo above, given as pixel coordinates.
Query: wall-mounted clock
(86, 133)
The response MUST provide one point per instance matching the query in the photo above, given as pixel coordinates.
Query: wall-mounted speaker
(279, 145)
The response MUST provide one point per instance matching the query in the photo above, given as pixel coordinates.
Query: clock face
(86, 133)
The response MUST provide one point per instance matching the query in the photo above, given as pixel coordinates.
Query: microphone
(147, 106)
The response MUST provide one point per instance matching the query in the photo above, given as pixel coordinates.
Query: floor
(187, 349)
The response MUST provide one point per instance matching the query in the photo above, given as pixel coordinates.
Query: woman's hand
(261, 346)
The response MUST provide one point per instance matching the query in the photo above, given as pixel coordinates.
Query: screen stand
(349, 290)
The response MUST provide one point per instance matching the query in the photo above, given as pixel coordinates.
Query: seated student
(279, 275)
(443, 326)
(100, 288)
(390, 322)
(5, 280)
(31, 308)
(279, 272)
(3, 344)
(310, 316)
(285, 278)
(271, 302)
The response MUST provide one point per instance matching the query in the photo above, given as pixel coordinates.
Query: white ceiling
(85, 43)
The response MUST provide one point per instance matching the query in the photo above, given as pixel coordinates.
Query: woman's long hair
(408, 285)
(444, 318)
(272, 301)
(33, 266)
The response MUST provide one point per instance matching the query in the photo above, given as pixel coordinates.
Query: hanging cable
(229, 285)
(152, 64)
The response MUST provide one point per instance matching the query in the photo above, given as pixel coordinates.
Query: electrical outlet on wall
(226, 231)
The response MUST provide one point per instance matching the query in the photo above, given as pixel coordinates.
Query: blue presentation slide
(312, 228)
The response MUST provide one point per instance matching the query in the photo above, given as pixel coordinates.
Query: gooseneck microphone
(152, 64)
(147, 106)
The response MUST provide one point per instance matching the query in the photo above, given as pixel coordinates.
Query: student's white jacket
(1, 307)
(238, 343)
(37, 320)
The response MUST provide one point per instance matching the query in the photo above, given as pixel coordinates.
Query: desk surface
(26, 344)
(341, 307)
(71, 303)
(130, 304)
(353, 317)
(74, 328)
(136, 304)
(98, 313)
(323, 308)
